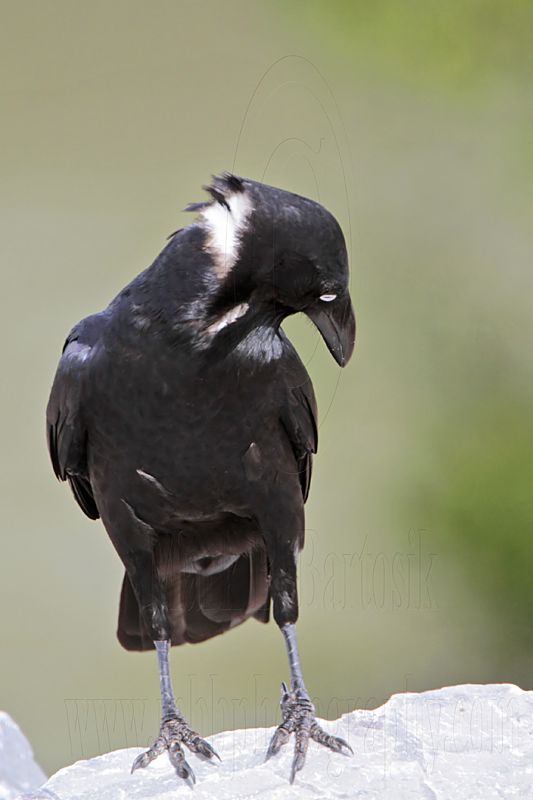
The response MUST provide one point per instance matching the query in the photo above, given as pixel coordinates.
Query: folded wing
(67, 435)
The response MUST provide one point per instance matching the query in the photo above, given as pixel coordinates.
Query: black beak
(336, 322)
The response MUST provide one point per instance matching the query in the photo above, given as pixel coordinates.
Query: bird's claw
(335, 743)
(281, 737)
(202, 748)
(299, 718)
(145, 758)
(175, 732)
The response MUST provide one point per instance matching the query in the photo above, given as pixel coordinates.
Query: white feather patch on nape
(225, 228)
(226, 319)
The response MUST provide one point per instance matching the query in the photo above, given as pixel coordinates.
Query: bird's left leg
(296, 707)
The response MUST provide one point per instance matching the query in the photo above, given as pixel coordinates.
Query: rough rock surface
(18, 770)
(456, 743)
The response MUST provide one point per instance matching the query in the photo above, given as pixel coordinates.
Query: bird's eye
(327, 298)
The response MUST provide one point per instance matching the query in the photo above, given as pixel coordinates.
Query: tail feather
(201, 606)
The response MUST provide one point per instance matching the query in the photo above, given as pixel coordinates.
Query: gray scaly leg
(174, 730)
(298, 713)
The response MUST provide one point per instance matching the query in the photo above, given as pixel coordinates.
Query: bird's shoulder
(88, 331)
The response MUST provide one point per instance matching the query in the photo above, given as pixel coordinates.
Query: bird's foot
(299, 718)
(174, 733)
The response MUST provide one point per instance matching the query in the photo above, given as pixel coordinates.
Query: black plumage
(182, 416)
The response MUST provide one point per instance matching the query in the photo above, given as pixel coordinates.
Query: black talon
(280, 737)
(299, 757)
(140, 761)
(186, 772)
(335, 743)
(343, 743)
(203, 749)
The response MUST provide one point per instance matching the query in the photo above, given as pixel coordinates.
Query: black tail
(202, 606)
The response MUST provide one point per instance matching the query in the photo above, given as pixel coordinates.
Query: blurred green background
(413, 123)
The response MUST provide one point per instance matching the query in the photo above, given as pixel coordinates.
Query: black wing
(67, 435)
(298, 415)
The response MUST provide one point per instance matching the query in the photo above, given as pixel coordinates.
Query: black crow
(182, 416)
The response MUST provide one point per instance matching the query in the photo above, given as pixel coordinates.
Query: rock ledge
(460, 743)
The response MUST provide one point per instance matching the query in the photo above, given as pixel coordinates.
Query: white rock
(457, 743)
(18, 770)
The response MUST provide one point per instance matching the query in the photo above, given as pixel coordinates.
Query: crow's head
(275, 253)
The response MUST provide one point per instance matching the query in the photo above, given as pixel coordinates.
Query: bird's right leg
(136, 549)
(175, 730)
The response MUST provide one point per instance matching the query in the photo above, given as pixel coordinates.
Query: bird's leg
(135, 541)
(297, 710)
(175, 730)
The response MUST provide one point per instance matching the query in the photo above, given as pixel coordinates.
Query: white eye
(327, 298)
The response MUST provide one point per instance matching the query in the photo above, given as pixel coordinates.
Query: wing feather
(298, 417)
(66, 432)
